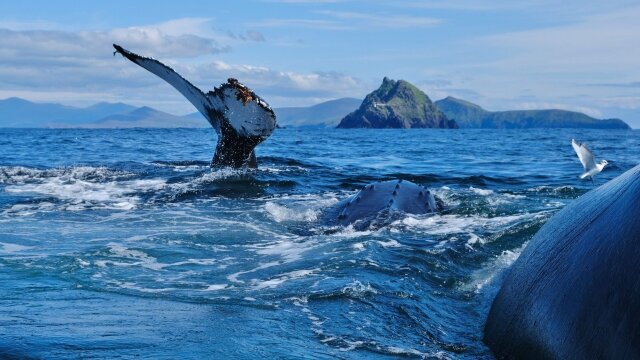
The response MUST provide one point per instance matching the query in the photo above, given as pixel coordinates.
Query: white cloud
(43, 61)
(350, 20)
(586, 63)
(624, 102)
(361, 20)
(300, 23)
(272, 82)
(75, 67)
(55, 43)
(602, 43)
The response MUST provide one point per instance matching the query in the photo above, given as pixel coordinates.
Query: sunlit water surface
(124, 243)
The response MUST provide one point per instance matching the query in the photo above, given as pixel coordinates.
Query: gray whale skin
(377, 202)
(574, 292)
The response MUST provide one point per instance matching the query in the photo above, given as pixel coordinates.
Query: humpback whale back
(241, 118)
(376, 202)
(574, 292)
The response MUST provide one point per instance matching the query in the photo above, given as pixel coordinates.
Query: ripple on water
(154, 254)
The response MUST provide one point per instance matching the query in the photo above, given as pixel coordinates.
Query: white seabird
(585, 155)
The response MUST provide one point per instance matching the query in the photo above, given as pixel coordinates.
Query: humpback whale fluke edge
(241, 118)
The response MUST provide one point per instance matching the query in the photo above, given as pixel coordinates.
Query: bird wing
(584, 154)
(188, 90)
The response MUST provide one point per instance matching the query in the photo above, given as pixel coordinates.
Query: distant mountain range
(326, 114)
(20, 113)
(397, 104)
(469, 115)
(16, 112)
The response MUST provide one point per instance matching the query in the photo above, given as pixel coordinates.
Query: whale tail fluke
(241, 118)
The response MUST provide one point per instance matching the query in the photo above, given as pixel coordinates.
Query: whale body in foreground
(574, 292)
(377, 202)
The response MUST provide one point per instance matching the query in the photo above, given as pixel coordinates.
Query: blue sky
(576, 55)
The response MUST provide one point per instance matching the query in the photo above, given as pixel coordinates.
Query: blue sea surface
(125, 244)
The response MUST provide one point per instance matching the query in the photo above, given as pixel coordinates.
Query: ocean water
(125, 244)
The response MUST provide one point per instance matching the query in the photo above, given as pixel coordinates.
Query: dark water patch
(16, 351)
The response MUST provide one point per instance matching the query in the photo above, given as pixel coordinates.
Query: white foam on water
(351, 345)
(555, 190)
(289, 249)
(402, 351)
(282, 278)
(456, 224)
(513, 196)
(139, 258)
(216, 287)
(12, 175)
(272, 170)
(234, 277)
(281, 213)
(306, 207)
(485, 275)
(83, 263)
(447, 195)
(358, 289)
(9, 248)
(283, 169)
(131, 286)
(182, 168)
(78, 188)
(482, 192)
(218, 174)
(493, 198)
(473, 240)
(349, 232)
(28, 209)
(554, 204)
(389, 244)
(204, 262)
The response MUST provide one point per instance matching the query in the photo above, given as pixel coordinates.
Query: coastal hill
(325, 114)
(397, 104)
(20, 113)
(17, 112)
(146, 117)
(469, 115)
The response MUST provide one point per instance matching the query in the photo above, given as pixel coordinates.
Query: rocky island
(469, 115)
(397, 104)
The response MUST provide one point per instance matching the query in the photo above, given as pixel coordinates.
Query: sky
(502, 55)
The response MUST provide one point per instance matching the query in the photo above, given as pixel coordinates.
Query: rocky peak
(397, 104)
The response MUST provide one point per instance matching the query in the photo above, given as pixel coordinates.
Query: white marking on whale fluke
(248, 119)
(248, 114)
(585, 155)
